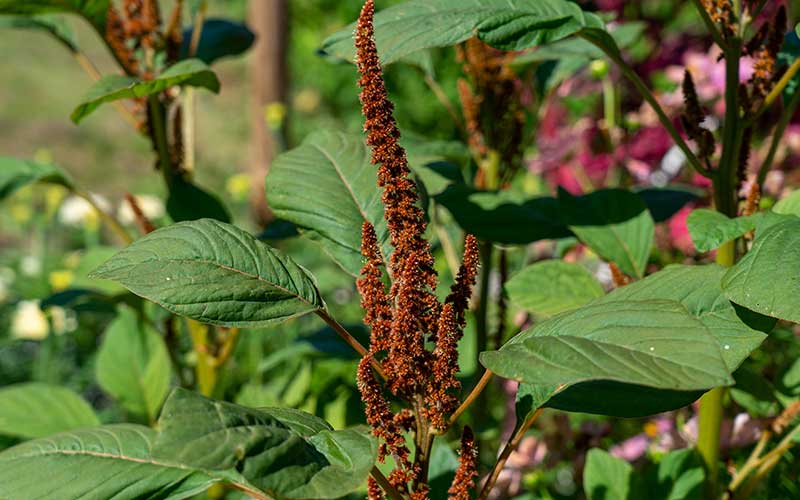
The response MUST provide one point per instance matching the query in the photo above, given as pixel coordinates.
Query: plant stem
(503, 458)
(711, 410)
(205, 370)
(768, 462)
(752, 461)
(349, 339)
(444, 100)
(472, 397)
(710, 26)
(384, 484)
(159, 137)
(106, 217)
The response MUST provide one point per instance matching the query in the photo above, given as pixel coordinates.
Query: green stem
(159, 137)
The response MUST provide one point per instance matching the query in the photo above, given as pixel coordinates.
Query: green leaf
(16, 174)
(89, 260)
(710, 229)
(220, 38)
(503, 216)
(614, 223)
(94, 11)
(191, 72)
(606, 477)
(767, 279)
(328, 187)
(188, 201)
(552, 286)
(133, 365)
(699, 289)
(113, 461)
(654, 343)
(214, 273)
(577, 48)
(411, 26)
(663, 203)
(55, 26)
(679, 475)
(284, 452)
(530, 398)
(34, 410)
(789, 205)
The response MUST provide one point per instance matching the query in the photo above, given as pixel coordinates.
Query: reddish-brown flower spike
(441, 398)
(379, 415)
(374, 491)
(405, 219)
(467, 467)
(374, 299)
(116, 38)
(461, 291)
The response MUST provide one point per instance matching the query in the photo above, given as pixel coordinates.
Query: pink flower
(679, 231)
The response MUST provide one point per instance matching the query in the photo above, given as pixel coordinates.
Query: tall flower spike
(461, 291)
(467, 468)
(405, 219)
(116, 38)
(441, 398)
(374, 299)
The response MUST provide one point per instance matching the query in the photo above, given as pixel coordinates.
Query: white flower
(75, 211)
(30, 265)
(63, 321)
(152, 208)
(29, 321)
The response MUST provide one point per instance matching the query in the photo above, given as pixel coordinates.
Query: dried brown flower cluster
(406, 315)
(467, 467)
(494, 92)
(138, 26)
(721, 13)
(764, 48)
(692, 120)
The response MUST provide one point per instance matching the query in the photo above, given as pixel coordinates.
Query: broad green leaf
(663, 203)
(654, 343)
(552, 286)
(411, 26)
(614, 223)
(89, 260)
(94, 11)
(55, 26)
(284, 452)
(606, 477)
(503, 216)
(530, 398)
(133, 365)
(191, 72)
(754, 393)
(220, 38)
(102, 463)
(789, 205)
(767, 279)
(214, 273)
(34, 410)
(328, 187)
(16, 174)
(188, 201)
(699, 289)
(710, 229)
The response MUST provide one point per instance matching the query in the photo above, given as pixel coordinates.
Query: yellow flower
(53, 197)
(238, 186)
(651, 429)
(274, 114)
(61, 279)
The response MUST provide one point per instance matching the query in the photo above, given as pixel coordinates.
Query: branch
(777, 135)
(473, 395)
(710, 26)
(390, 490)
(349, 339)
(509, 448)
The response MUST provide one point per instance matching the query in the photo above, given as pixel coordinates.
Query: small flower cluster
(406, 315)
